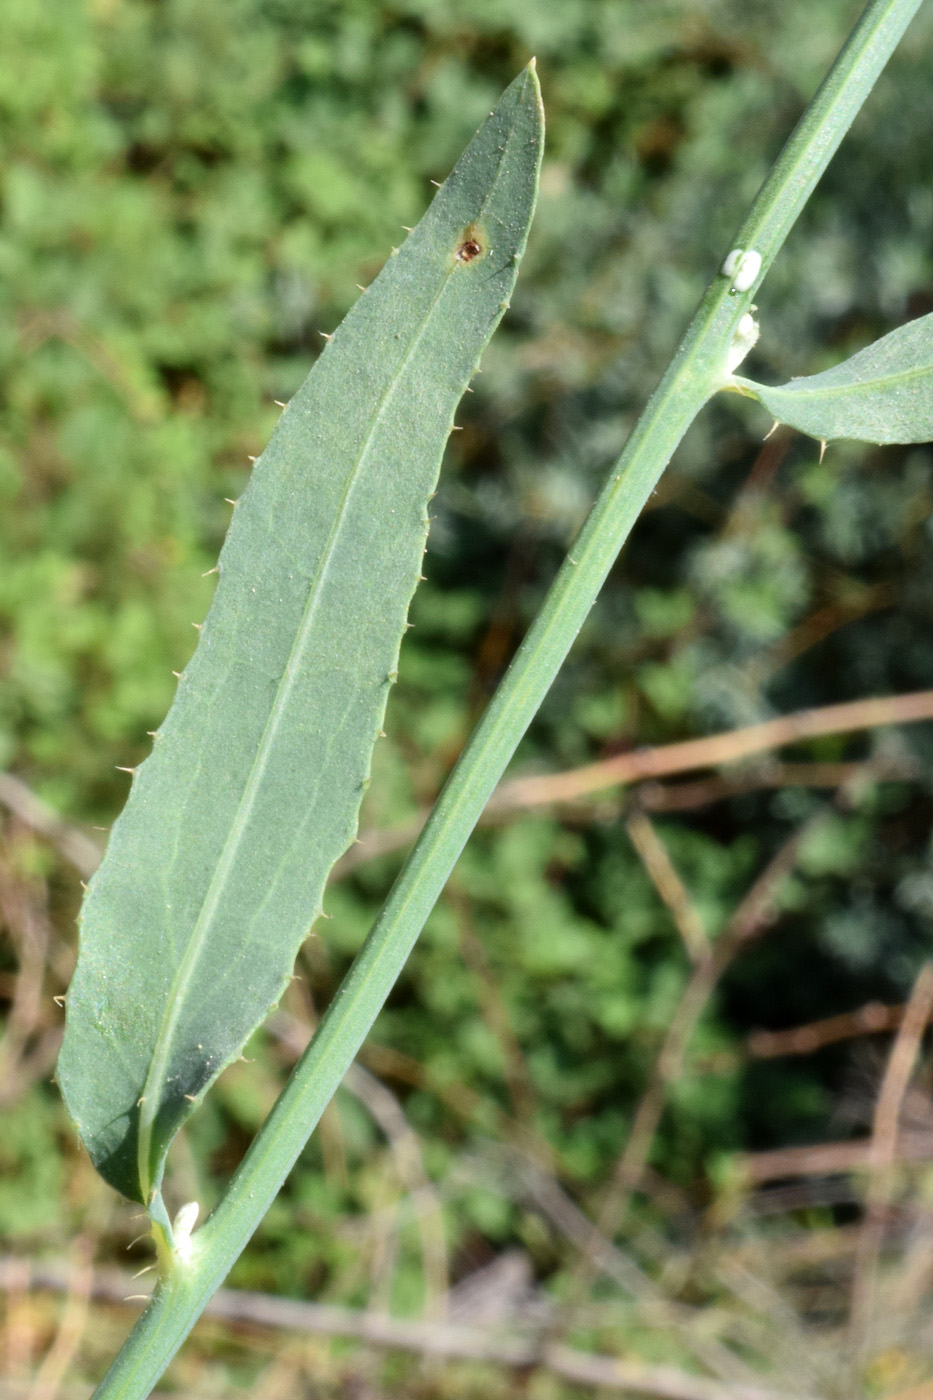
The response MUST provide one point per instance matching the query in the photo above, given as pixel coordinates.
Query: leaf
(215, 870)
(882, 394)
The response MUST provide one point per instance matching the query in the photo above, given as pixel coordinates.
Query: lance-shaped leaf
(882, 394)
(215, 871)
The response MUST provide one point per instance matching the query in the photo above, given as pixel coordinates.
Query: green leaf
(882, 394)
(215, 870)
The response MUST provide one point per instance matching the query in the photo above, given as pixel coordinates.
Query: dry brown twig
(686, 797)
(30, 1041)
(541, 1189)
(388, 1114)
(829, 1158)
(882, 1155)
(709, 960)
(522, 793)
(544, 790)
(643, 765)
(38, 326)
(18, 1325)
(28, 929)
(61, 1353)
(874, 1018)
(870, 1019)
(77, 848)
(656, 860)
(525, 1182)
(427, 1338)
(713, 750)
(747, 922)
(495, 1013)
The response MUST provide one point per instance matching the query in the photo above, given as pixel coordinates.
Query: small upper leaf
(882, 394)
(215, 870)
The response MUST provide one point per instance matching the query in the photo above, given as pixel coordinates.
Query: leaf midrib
(155, 1077)
(802, 388)
(150, 1099)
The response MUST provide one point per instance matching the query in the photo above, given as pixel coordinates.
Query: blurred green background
(190, 192)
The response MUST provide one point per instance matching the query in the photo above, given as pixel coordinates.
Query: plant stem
(695, 373)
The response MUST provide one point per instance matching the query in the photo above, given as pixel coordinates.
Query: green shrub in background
(188, 196)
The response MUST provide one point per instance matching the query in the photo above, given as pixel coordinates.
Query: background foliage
(190, 191)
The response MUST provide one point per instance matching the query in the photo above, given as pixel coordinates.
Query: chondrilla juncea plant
(215, 871)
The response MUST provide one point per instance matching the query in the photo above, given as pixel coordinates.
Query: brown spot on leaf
(471, 245)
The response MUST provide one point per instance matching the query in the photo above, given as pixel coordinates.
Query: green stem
(694, 374)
